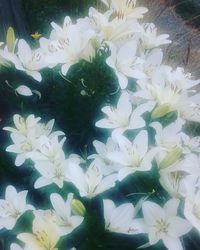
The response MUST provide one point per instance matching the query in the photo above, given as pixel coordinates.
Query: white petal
(172, 243)
(171, 207)
(24, 51)
(109, 207)
(178, 227)
(152, 212)
(24, 90)
(141, 142)
(42, 182)
(124, 172)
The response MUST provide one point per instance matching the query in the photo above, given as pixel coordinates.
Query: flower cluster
(159, 90)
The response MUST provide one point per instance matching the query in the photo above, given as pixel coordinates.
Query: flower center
(162, 226)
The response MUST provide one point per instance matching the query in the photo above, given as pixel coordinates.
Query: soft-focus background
(76, 114)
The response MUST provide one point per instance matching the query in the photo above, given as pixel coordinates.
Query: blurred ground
(184, 32)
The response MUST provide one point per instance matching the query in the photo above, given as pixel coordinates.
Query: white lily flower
(60, 33)
(190, 144)
(48, 149)
(27, 60)
(176, 182)
(134, 156)
(23, 125)
(15, 247)
(150, 39)
(167, 93)
(22, 145)
(125, 63)
(127, 9)
(192, 207)
(65, 221)
(24, 90)
(173, 144)
(91, 182)
(53, 171)
(44, 236)
(164, 224)
(49, 160)
(169, 136)
(12, 207)
(115, 30)
(123, 117)
(26, 135)
(68, 48)
(121, 219)
(152, 61)
(190, 108)
(106, 165)
(176, 178)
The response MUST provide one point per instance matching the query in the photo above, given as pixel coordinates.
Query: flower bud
(77, 207)
(171, 158)
(10, 39)
(160, 111)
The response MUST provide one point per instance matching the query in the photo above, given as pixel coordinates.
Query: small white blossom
(192, 207)
(150, 39)
(125, 63)
(27, 60)
(164, 224)
(134, 156)
(12, 207)
(106, 165)
(65, 221)
(124, 117)
(121, 219)
(90, 182)
(43, 237)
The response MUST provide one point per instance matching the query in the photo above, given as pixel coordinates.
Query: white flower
(107, 166)
(192, 208)
(169, 136)
(127, 9)
(50, 162)
(176, 182)
(115, 30)
(60, 33)
(150, 39)
(134, 156)
(49, 149)
(125, 62)
(26, 135)
(65, 222)
(91, 182)
(23, 126)
(44, 236)
(152, 61)
(68, 48)
(121, 219)
(123, 117)
(26, 60)
(15, 247)
(164, 224)
(12, 207)
(190, 144)
(177, 177)
(169, 94)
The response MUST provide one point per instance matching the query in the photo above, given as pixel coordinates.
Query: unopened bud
(77, 207)
(171, 158)
(10, 39)
(160, 111)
